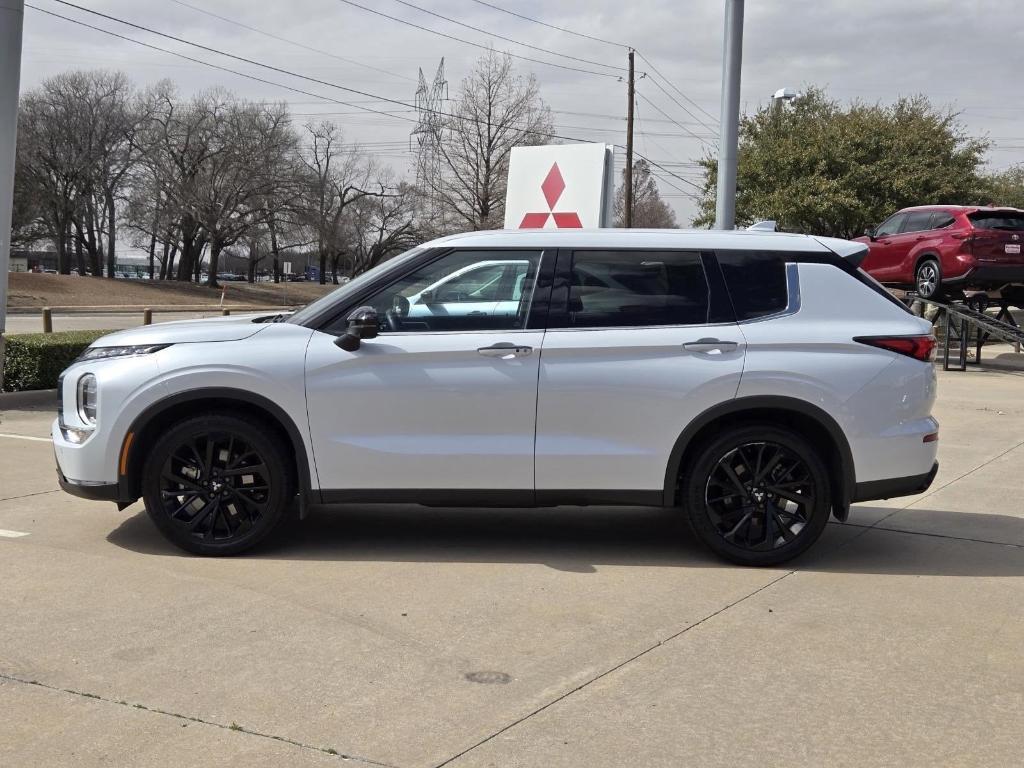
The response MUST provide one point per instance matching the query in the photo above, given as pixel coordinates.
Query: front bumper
(895, 486)
(92, 491)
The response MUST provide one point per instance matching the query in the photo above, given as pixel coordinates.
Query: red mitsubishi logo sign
(553, 187)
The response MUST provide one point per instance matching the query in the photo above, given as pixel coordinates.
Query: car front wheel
(757, 495)
(218, 484)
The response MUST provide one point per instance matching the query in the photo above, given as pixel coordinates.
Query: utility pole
(12, 13)
(732, 59)
(627, 215)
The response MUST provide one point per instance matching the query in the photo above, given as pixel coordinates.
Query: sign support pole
(12, 13)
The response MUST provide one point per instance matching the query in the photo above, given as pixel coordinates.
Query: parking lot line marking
(27, 437)
(12, 534)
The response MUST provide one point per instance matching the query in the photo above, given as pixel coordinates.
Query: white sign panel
(287, 267)
(563, 186)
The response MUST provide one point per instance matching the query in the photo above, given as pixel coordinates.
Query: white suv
(758, 382)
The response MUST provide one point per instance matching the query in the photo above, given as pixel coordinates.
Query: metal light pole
(732, 59)
(12, 13)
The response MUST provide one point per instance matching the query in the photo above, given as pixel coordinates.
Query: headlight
(86, 398)
(103, 353)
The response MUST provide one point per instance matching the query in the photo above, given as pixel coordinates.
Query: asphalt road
(570, 637)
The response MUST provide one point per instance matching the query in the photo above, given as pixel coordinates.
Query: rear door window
(941, 220)
(917, 221)
(756, 281)
(627, 288)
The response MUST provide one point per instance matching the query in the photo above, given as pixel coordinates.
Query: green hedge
(35, 360)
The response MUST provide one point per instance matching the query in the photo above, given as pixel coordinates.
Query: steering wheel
(399, 309)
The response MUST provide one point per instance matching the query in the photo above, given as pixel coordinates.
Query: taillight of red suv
(918, 347)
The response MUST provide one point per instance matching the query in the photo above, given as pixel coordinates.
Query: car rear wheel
(218, 484)
(928, 279)
(757, 495)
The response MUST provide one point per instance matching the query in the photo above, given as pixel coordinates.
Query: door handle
(710, 345)
(505, 350)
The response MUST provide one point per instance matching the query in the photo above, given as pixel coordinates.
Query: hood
(187, 331)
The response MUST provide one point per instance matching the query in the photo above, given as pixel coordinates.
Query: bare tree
(52, 166)
(256, 144)
(381, 226)
(496, 110)
(649, 210)
(338, 175)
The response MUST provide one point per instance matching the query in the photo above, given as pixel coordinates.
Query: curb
(13, 401)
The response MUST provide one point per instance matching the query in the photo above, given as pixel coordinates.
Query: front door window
(461, 291)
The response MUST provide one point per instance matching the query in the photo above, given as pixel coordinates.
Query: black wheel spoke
(209, 508)
(252, 469)
(734, 479)
(787, 494)
(184, 482)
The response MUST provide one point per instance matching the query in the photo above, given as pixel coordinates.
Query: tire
(928, 279)
(218, 484)
(726, 503)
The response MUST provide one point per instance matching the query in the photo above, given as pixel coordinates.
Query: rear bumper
(895, 486)
(989, 275)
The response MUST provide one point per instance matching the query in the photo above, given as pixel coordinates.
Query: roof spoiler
(855, 253)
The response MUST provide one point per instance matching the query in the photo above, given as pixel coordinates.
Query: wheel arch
(149, 424)
(810, 421)
(926, 253)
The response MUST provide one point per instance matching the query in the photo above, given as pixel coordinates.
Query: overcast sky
(968, 55)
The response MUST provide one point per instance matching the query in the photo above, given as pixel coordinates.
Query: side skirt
(461, 497)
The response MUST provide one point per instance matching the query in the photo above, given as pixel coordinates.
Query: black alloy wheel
(218, 484)
(757, 495)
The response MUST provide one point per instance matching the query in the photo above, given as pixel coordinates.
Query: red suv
(937, 248)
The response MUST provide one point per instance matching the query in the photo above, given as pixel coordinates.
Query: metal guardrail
(959, 320)
(148, 310)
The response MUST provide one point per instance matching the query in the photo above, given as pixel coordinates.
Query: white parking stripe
(12, 534)
(27, 437)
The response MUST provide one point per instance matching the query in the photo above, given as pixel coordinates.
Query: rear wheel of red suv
(757, 495)
(928, 279)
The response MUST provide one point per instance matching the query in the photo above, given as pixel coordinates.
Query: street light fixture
(784, 95)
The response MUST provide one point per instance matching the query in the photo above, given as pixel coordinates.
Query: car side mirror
(362, 324)
(869, 232)
(428, 297)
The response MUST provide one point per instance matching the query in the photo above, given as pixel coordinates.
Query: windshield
(342, 292)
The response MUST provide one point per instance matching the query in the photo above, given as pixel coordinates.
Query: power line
(506, 39)
(283, 71)
(676, 101)
(372, 96)
(680, 125)
(674, 88)
(621, 45)
(291, 42)
(552, 26)
(470, 42)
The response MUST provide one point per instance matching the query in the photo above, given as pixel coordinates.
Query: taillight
(918, 347)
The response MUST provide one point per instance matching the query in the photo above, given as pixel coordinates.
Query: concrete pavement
(579, 637)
